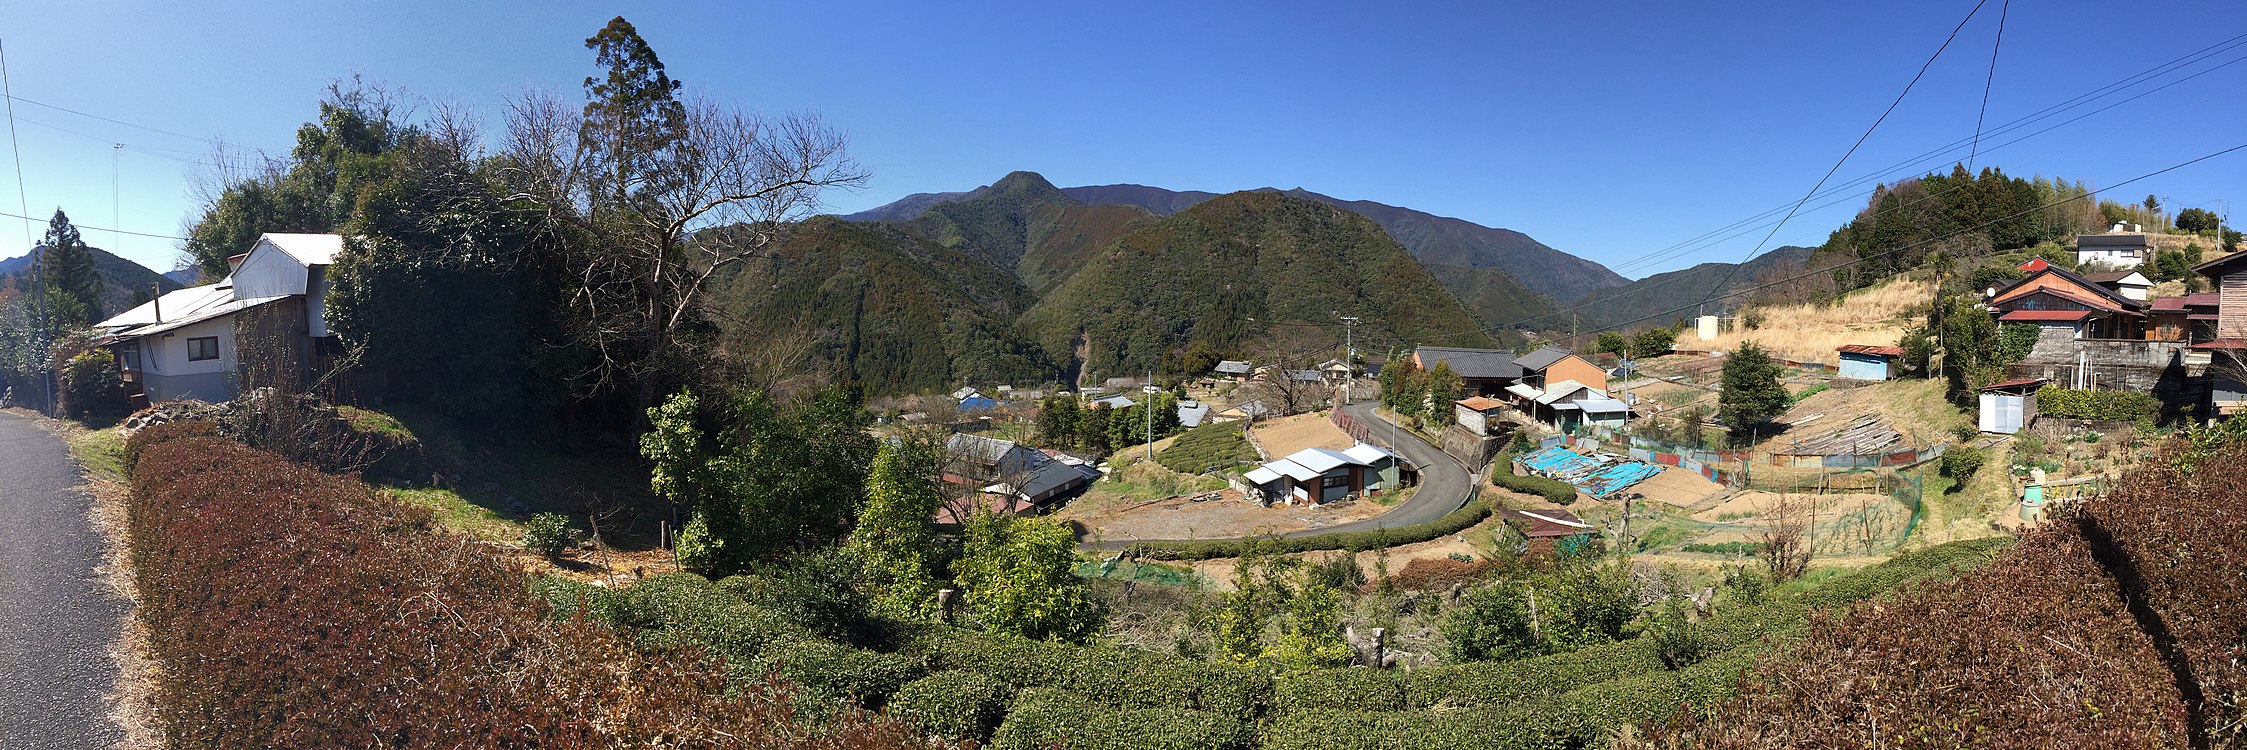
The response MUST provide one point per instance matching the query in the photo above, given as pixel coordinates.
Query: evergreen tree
(1018, 576)
(895, 534)
(1751, 392)
(1609, 342)
(68, 267)
(1444, 387)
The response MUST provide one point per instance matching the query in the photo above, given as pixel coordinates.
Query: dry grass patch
(1811, 331)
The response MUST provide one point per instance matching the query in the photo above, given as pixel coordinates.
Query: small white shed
(2009, 406)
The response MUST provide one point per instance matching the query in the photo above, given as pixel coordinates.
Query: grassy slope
(1287, 260)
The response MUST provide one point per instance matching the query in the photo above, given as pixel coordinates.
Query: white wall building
(185, 344)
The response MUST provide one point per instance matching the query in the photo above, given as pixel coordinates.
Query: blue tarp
(1595, 477)
(977, 403)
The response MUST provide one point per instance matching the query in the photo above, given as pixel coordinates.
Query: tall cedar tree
(1444, 387)
(1752, 394)
(635, 177)
(69, 269)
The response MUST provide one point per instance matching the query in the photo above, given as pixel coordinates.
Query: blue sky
(1609, 130)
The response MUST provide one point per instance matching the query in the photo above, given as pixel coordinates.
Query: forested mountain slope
(123, 282)
(878, 305)
(1227, 271)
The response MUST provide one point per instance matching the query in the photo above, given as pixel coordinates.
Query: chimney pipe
(157, 290)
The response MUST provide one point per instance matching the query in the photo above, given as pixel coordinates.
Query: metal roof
(1542, 358)
(1192, 415)
(1524, 390)
(1478, 364)
(1479, 403)
(2109, 240)
(1232, 367)
(1368, 454)
(1877, 351)
(1117, 401)
(1262, 475)
(1560, 391)
(174, 304)
(309, 249)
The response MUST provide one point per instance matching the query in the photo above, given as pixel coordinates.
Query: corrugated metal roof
(1368, 454)
(2013, 383)
(1524, 390)
(309, 249)
(174, 304)
(1232, 367)
(1262, 475)
(1559, 391)
(1874, 350)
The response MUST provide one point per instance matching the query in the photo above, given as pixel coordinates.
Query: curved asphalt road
(1444, 485)
(57, 619)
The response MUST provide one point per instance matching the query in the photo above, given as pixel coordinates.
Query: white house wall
(268, 272)
(167, 374)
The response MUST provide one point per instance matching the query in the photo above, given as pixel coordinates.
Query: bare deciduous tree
(633, 180)
(1786, 551)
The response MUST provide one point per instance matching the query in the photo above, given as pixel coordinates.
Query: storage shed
(1476, 414)
(1867, 362)
(2009, 406)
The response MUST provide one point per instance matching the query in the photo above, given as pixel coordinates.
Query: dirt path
(59, 618)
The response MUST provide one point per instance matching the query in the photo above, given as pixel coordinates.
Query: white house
(2116, 249)
(1322, 475)
(184, 344)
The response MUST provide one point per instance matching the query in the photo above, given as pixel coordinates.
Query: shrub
(819, 589)
(687, 609)
(2107, 406)
(156, 435)
(549, 534)
(92, 387)
(1108, 675)
(1553, 490)
(1342, 689)
(1045, 717)
(1961, 463)
(1436, 573)
(1675, 638)
(956, 704)
(390, 632)
(1452, 523)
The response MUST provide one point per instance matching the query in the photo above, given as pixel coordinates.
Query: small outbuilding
(1546, 532)
(1868, 362)
(1232, 368)
(1476, 414)
(2009, 406)
(1322, 475)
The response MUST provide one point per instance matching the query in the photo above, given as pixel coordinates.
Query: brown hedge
(2123, 624)
(297, 609)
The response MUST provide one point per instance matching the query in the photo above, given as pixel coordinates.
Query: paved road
(1444, 484)
(57, 620)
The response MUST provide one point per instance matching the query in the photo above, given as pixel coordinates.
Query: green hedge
(684, 608)
(1554, 490)
(1343, 689)
(955, 704)
(1217, 445)
(2110, 406)
(1108, 675)
(1047, 718)
(1536, 725)
(1451, 523)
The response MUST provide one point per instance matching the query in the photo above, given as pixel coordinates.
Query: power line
(1932, 195)
(1860, 259)
(1735, 269)
(2002, 12)
(112, 120)
(82, 227)
(1711, 237)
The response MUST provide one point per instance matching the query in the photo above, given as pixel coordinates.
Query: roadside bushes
(91, 387)
(1553, 490)
(1960, 463)
(300, 609)
(2108, 406)
(1451, 523)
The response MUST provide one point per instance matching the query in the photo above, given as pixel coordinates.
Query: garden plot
(1837, 523)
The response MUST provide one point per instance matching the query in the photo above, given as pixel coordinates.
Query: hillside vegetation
(1498, 300)
(1219, 273)
(876, 305)
(1809, 331)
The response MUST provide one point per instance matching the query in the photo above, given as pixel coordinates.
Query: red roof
(1479, 403)
(2045, 315)
(2034, 265)
(2099, 304)
(1548, 523)
(2222, 344)
(2176, 304)
(2013, 383)
(1877, 351)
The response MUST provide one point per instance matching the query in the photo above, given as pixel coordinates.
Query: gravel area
(58, 618)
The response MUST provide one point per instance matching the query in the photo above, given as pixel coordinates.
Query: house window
(1337, 481)
(202, 348)
(128, 357)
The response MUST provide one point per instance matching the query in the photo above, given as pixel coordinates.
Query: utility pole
(1148, 392)
(1350, 349)
(39, 330)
